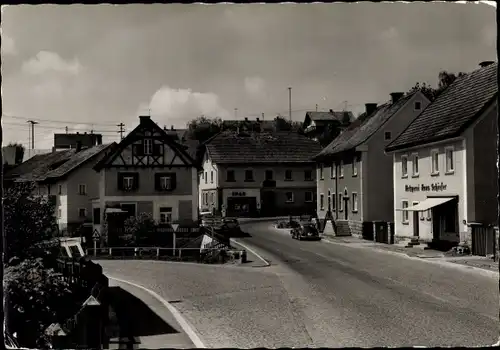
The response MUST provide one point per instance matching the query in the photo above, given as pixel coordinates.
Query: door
(416, 224)
(346, 208)
(268, 203)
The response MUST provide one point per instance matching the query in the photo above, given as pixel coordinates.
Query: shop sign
(239, 194)
(435, 187)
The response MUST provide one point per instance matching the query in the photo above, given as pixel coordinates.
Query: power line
(57, 121)
(60, 128)
(121, 131)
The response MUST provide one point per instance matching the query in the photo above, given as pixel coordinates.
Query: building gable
(148, 146)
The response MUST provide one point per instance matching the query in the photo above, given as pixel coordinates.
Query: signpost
(95, 237)
(174, 226)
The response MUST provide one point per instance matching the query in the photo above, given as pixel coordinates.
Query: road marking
(186, 327)
(251, 251)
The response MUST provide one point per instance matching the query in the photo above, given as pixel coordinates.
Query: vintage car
(305, 231)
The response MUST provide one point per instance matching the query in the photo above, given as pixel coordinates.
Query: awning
(114, 210)
(428, 204)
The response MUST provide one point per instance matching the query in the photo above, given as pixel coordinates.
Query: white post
(95, 247)
(174, 226)
(174, 243)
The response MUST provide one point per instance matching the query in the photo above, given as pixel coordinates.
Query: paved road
(360, 297)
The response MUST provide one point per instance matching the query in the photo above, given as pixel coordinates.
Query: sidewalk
(479, 262)
(138, 320)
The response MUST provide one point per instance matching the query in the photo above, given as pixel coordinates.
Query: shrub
(142, 228)
(36, 297)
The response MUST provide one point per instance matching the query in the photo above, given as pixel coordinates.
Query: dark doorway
(268, 207)
(416, 224)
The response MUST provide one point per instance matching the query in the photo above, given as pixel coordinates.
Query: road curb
(185, 325)
(435, 261)
(266, 263)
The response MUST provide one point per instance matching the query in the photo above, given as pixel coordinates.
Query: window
(387, 135)
(341, 169)
(404, 213)
(415, 165)
(404, 166)
(82, 189)
(289, 197)
(329, 199)
(288, 175)
(205, 198)
(308, 175)
(59, 189)
(334, 201)
(321, 201)
(321, 172)
(97, 216)
(128, 182)
(59, 213)
(82, 212)
(340, 202)
(230, 176)
(165, 215)
(212, 198)
(148, 146)
(269, 175)
(248, 175)
(211, 176)
(333, 170)
(418, 105)
(309, 197)
(434, 162)
(354, 202)
(206, 178)
(450, 166)
(355, 166)
(165, 183)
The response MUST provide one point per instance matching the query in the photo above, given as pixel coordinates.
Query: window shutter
(157, 182)
(136, 181)
(120, 181)
(173, 177)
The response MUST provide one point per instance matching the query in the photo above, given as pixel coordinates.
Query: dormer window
(418, 105)
(148, 146)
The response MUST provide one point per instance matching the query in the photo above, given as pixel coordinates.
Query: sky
(90, 67)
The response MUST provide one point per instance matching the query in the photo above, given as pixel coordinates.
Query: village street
(320, 294)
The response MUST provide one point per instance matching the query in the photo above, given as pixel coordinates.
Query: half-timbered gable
(149, 171)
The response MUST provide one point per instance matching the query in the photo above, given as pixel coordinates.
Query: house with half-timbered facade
(148, 172)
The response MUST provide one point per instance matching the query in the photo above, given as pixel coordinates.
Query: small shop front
(241, 202)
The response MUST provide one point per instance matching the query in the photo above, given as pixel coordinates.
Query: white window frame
(404, 158)
(84, 192)
(334, 201)
(128, 179)
(164, 181)
(415, 106)
(340, 207)
(414, 161)
(167, 214)
(355, 166)
(291, 175)
(321, 169)
(84, 212)
(287, 200)
(405, 219)
(354, 202)
(148, 146)
(312, 197)
(321, 201)
(452, 169)
(341, 175)
(333, 170)
(434, 166)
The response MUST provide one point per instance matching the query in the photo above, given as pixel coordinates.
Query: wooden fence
(484, 240)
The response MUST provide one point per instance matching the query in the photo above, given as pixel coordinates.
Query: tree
(445, 79)
(141, 229)
(203, 128)
(29, 220)
(19, 152)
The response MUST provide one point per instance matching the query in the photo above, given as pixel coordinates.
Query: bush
(142, 228)
(36, 297)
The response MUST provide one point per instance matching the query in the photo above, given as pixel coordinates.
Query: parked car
(231, 223)
(305, 232)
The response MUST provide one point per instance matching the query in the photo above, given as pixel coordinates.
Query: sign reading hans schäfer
(435, 187)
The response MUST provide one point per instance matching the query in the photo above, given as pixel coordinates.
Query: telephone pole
(121, 131)
(290, 103)
(32, 122)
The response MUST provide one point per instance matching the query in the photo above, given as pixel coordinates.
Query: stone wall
(356, 228)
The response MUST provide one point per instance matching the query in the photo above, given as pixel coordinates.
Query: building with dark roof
(354, 175)
(317, 123)
(258, 173)
(445, 173)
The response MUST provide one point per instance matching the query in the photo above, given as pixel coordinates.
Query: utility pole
(290, 103)
(121, 131)
(32, 122)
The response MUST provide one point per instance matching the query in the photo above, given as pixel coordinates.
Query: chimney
(485, 63)
(77, 133)
(246, 119)
(370, 108)
(85, 133)
(258, 120)
(395, 96)
(172, 127)
(78, 146)
(331, 111)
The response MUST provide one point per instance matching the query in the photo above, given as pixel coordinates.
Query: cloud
(255, 86)
(46, 61)
(390, 33)
(179, 106)
(8, 45)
